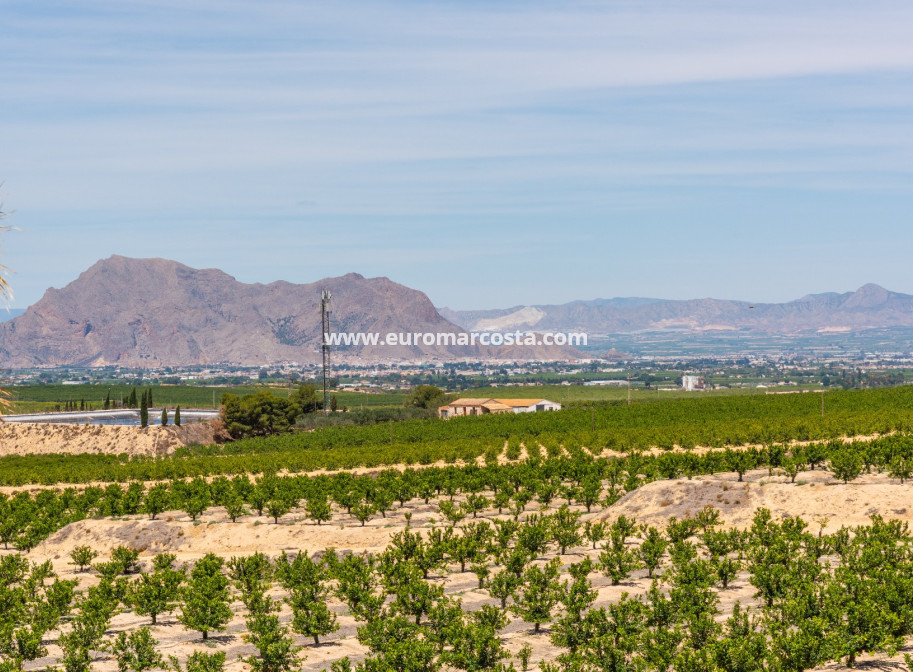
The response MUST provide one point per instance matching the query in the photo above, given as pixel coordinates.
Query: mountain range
(156, 312)
(869, 307)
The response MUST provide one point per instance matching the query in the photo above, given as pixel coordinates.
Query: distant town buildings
(691, 383)
(607, 383)
(469, 406)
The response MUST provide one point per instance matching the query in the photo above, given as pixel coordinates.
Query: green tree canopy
(206, 597)
(263, 413)
(426, 396)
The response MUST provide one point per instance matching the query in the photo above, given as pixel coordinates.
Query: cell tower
(325, 346)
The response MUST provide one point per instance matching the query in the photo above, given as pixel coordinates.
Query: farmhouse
(470, 406)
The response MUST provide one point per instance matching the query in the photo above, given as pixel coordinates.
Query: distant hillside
(155, 312)
(868, 307)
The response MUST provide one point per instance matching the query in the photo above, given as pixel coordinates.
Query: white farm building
(469, 406)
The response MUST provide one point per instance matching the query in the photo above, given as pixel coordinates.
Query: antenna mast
(325, 346)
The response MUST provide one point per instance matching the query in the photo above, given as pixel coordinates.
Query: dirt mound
(815, 497)
(46, 438)
(211, 534)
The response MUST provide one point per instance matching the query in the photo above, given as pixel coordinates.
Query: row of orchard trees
(819, 597)
(397, 443)
(577, 478)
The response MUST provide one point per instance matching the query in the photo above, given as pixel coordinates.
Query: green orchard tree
(474, 641)
(31, 607)
(397, 644)
(318, 508)
(362, 511)
(157, 500)
(234, 506)
(136, 652)
(614, 634)
(275, 647)
(901, 468)
(279, 505)
(652, 549)
(846, 465)
(743, 647)
(359, 587)
(538, 594)
(595, 531)
(95, 610)
(576, 596)
(156, 593)
(617, 561)
(252, 574)
(197, 498)
(82, 557)
(206, 597)
(565, 526)
(307, 583)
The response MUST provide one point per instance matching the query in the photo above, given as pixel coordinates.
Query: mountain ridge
(157, 312)
(870, 306)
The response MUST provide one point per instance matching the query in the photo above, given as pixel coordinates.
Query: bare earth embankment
(816, 497)
(48, 438)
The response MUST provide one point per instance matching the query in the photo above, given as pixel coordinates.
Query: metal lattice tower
(325, 346)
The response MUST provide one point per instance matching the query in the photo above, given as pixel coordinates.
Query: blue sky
(487, 153)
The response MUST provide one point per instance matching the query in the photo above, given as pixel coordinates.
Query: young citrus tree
(307, 584)
(158, 592)
(206, 600)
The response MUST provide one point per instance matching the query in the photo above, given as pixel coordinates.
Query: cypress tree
(131, 402)
(164, 417)
(144, 413)
(150, 397)
(177, 417)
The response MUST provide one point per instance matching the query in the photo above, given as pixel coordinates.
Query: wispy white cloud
(510, 115)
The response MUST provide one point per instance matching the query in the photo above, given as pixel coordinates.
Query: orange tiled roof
(468, 401)
(519, 402)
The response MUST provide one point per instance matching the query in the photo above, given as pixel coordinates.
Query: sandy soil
(214, 533)
(44, 438)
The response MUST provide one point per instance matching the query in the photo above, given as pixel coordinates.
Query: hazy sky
(488, 153)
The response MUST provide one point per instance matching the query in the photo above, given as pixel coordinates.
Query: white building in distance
(691, 383)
